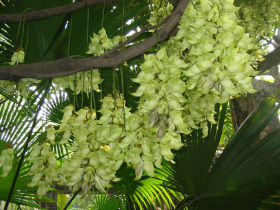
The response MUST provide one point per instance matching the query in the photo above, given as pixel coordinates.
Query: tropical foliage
(244, 174)
(148, 126)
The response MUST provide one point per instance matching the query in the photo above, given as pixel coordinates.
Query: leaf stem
(70, 201)
(92, 92)
(70, 34)
(75, 95)
(103, 14)
(83, 74)
(123, 101)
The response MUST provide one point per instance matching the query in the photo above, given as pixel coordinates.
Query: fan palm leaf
(145, 193)
(52, 114)
(106, 202)
(22, 194)
(245, 174)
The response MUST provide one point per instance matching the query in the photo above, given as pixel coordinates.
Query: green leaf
(244, 175)
(143, 193)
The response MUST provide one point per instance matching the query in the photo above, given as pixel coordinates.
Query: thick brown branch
(276, 39)
(35, 15)
(68, 65)
(271, 59)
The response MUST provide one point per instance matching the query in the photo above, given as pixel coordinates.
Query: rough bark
(241, 107)
(271, 59)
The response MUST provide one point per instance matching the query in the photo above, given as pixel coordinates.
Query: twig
(73, 197)
(271, 59)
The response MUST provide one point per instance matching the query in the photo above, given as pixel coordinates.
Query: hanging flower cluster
(144, 149)
(6, 160)
(161, 90)
(22, 86)
(258, 17)
(218, 55)
(89, 80)
(44, 168)
(161, 9)
(100, 43)
(96, 155)
(18, 57)
(101, 146)
(80, 82)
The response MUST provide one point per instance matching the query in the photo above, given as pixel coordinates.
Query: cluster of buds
(44, 168)
(160, 112)
(161, 90)
(81, 82)
(100, 43)
(18, 57)
(89, 80)
(144, 150)
(219, 58)
(6, 160)
(101, 146)
(96, 155)
(259, 16)
(22, 86)
(160, 10)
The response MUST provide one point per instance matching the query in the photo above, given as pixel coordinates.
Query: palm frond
(228, 129)
(22, 195)
(17, 124)
(12, 129)
(106, 202)
(145, 193)
(253, 172)
(52, 114)
(193, 161)
(245, 174)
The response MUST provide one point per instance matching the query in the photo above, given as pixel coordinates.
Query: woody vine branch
(69, 65)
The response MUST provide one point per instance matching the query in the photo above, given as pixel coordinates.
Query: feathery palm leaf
(16, 123)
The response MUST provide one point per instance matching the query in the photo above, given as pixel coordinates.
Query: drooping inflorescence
(209, 60)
